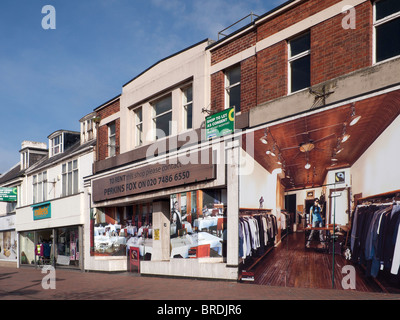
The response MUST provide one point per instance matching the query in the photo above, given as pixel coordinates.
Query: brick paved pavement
(26, 284)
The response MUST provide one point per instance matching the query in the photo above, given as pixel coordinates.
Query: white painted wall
(256, 183)
(377, 170)
(169, 74)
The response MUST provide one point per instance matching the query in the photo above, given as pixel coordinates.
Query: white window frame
(54, 146)
(377, 24)
(39, 187)
(291, 59)
(154, 117)
(185, 105)
(112, 146)
(89, 129)
(70, 186)
(229, 86)
(138, 123)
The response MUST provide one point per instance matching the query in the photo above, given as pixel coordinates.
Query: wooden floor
(290, 264)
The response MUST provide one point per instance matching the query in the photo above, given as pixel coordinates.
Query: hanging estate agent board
(220, 124)
(8, 194)
(153, 177)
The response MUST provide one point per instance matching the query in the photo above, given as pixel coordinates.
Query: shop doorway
(44, 247)
(339, 206)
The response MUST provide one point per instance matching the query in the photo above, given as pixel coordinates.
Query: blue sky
(49, 79)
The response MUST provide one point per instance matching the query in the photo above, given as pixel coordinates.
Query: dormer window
(56, 145)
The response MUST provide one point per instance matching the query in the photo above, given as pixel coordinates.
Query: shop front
(8, 241)
(59, 247)
(45, 240)
(321, 208)
(174, 214)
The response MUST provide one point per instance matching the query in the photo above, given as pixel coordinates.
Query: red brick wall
(217, 91)
(334, 52)
(248, 84)
(272, 72)
(292, 16)
(234, 47)
(102, 133)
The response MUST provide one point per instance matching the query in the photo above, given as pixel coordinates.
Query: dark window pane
(189, 116)
(139, 115)
(300, 73)
(234, 98)
(386, 8)
(300, 44)
(189, 94)
(112, 129)
(388, 40)
(234, 76)
(163, 105)
(162, 123)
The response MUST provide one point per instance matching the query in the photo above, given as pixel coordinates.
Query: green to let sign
(8, 194)
(220, 124)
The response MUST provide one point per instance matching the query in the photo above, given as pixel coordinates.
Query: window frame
(54, 146)
(296, 57)
(377, 24)
(112, 148)
(39, 187)
(138, 123)
(228, 86)
(155, 116)
(185, 105)
(69, 178)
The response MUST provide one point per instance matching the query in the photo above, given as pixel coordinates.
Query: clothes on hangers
(375, 240)
(255, 232)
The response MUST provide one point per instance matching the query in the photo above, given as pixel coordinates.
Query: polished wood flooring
(290, 264)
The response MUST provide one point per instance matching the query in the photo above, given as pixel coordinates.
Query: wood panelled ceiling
(324, 130)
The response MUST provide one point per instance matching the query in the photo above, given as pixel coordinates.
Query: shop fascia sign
(8, 194)
(153, 177)
(41, 211)
(220, 124)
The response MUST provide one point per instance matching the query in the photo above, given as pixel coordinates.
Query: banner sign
(8, 194)
(42, 211)
(220, 124)
(152, 177)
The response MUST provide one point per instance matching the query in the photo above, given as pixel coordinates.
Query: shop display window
(68, 246)
(117, 229)
(8, 246)
(198, 224)
(27, 248)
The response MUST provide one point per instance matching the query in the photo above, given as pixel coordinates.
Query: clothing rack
(252, 212)
(384, 199)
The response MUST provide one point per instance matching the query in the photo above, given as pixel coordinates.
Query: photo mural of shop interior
(197, 227)
(116, 229)
(350, 168)
(198, 224)
(59, 247)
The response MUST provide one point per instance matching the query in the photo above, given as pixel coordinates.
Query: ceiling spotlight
(307, 166)
(345, 137)
(334, 159)
(339, 151)
(354, 118)
(264, 140)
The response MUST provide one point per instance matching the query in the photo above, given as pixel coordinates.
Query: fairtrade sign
(42, 211)
(150, 178)
(220, 124)
(8, 194)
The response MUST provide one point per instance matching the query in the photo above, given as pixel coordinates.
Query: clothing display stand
(379, 203)
(251, 261)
